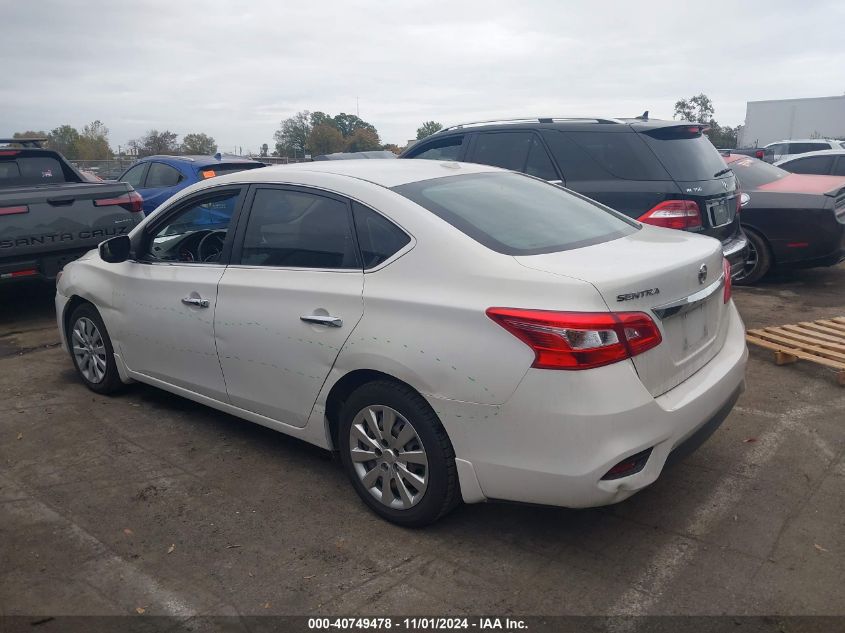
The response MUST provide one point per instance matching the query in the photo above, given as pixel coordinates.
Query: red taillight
(760, 154)
(579, 340)
(131, 201)
(10, 152)
(208, 173)
(21, 208)
(674, 214)
(28, 272)
(726, 293)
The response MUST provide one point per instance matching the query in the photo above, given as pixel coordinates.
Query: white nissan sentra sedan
(455, 331)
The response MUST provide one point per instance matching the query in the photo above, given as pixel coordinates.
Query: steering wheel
(211, 246)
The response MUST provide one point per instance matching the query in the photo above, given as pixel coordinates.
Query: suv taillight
(132, 202)
(674, 214)
(726, 294)
(579, 340)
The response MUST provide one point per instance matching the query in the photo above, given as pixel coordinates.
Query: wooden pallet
(822, 342)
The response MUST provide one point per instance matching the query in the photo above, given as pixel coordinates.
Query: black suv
(665, 173)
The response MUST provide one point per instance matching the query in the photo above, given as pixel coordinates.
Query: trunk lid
(656, 271)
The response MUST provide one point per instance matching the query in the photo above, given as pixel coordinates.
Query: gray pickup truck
(50, 213)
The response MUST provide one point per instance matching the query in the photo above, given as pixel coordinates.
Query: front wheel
(91, 350)
(758, 260)
(397, 454)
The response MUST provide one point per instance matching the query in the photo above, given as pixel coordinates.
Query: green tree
(292, 135)
(698, 109)
(64, 140)
(155, 142)
(349, 123)
(325, 139)
(392, 147)
(321, 118)
(93, 142)
(30, 134)
(198, 143)
(363, 140)
(427, 129)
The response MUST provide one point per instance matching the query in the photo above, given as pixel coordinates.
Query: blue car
(157, 178)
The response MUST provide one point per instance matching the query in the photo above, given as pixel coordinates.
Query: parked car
(455, 331)
(829, 162)
(157, 178)
(791, 220)
(50, 213)
(761, 153)
(784, 150)
(664, 173)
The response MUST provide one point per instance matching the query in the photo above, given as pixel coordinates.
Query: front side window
(515, 215)
(811, 165)
(539, 164)
(135, 176)
(162, 175)
(508, 150)
(295, 229)
(443, 149)
(378, 237)
(839, 170)
(195, 233)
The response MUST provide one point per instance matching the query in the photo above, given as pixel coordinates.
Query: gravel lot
(148, 501)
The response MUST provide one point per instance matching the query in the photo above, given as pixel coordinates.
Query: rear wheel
(758, 260)
(91, 350)
(397, 454)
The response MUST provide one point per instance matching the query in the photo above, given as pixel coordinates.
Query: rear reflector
(728, 289)
(10, 152)
(131, 201)
(208, 173)
(674, 214)
(797, 244)
(21, 208)
(29, 272)
(628, 466)
(579, 340)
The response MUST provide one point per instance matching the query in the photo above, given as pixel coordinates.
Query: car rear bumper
(560, 433)
(735, 250)
(45, 266)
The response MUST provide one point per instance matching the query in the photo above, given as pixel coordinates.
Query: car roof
(603, 124)
(803, 140)
(198, 160)
(384, 172)
(818, 152)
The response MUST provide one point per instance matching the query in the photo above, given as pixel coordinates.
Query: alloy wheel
(89, 350)
(752, 259)
(388, 457)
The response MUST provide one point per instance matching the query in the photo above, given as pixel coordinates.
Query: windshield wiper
(726, 170)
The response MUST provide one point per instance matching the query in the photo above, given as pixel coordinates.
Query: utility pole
(357, 109)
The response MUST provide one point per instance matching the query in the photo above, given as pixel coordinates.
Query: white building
(776, 120)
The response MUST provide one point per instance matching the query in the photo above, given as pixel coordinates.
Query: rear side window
(801, 148)
(212, 171)
(515, 215)
(161, 175)
(443, 149)
(839, 170)
(378, 238)
(295, 229)
(811, 165)
(752, 173)
(135, 176)
(686, 155)
(586, 156)
(22, 170)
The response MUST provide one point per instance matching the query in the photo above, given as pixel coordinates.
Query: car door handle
(320, 319)
(195, 301)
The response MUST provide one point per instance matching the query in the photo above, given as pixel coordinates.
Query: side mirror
(116, 249)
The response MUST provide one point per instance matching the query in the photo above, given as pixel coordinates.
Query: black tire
(110, 381)
(442, 493)
(758, 260)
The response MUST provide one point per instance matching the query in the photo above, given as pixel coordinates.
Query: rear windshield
(22, 169)
(685, 156)
(212, 171)
(752, 173)
(517, 215)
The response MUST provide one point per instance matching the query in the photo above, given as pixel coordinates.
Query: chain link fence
(106, 169)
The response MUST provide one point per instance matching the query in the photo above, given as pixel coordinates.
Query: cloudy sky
(234, 69)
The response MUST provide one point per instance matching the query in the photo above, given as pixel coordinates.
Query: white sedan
(455, 331)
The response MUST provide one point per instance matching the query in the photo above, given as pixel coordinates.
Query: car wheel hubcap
(89, 350)
(388, 456)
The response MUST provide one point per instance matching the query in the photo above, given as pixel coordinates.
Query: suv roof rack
(537, 119)
(33, 141)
